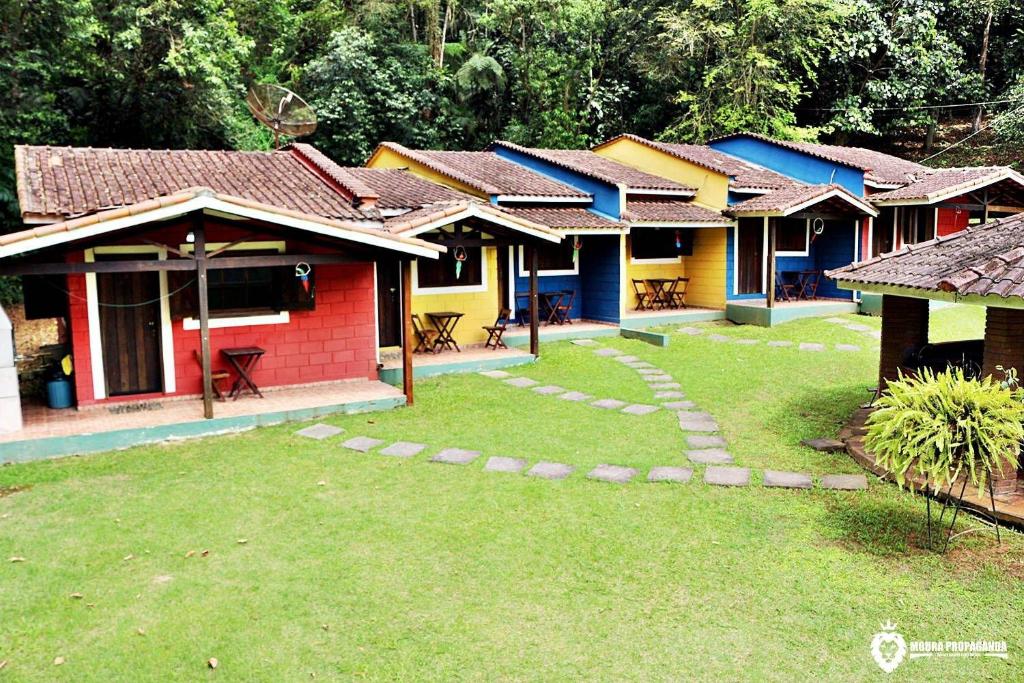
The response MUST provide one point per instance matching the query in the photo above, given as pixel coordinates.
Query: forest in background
(555, 73)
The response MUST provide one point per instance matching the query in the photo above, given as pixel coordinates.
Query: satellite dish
(280, 110)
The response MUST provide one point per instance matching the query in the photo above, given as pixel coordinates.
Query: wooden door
(750, 253)
(130, 332)
(503, 258)
(389, 303)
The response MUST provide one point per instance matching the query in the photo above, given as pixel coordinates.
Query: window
(791, 237)
(242, 290)
(918, 223)
(882, 231)
(660, 244)
(552, 259)
(440, 272)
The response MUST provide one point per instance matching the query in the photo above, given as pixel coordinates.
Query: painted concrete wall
(706, 269)
(554, 283)
(792, 163)
(832, 249)
(950, 220)
(599, 277)
(712, 188)
(606, 196)
(386, 158)
(10, 400)
(479, 308)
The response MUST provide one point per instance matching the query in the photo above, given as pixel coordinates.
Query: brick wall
(904, 326)
(1004, 346)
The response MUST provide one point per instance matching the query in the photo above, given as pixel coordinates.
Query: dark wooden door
(750, 252)
(389, 303)
(503, 259)
(130, 332)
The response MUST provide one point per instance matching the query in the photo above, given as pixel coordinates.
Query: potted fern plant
(946, 428)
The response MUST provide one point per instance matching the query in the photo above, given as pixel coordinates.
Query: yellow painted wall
(480, 308)
(705, 268)
(386, 158)
(712, 188)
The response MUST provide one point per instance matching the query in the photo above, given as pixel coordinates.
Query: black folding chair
(495, 331)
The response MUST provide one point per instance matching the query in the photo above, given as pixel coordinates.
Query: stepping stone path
(844, 482)
(679, 405)
(690, 421)
(664, 386)
(456, 456)
(786, 480)
(361, 443)
(521, 382)
(496, 374)
(748, 342)
(857, 327)
(726, 476)
(403, 449)
(719, 338)
(825, 445)
(548, 390)
(705, 441)
(576, 396)
(847, 347)
(625, 360)
(641, 365)
(609, 352)
(612, 473)
(502, 464)
(669, 394)
(709, 456)
(550, 470)
(811, 346)
(584, 342)
(778, 343)
(650, 371)
(639, 409)
(319, 431)
(692, 331)
(657, 378)
(608, 403)
(676, 474)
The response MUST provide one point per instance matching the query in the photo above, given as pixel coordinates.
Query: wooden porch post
(199, 233)
(771, 262)
(534, 331)
(1004, 347)
(904, 328)
(408, 334)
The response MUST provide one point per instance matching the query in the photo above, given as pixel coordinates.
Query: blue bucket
(58, 393)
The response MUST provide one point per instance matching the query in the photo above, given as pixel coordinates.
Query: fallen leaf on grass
(57, 661)
(76, 596)
(243, 541)
(141, 631)
(321, 483)
(189, 554)
(18, 559)
(3, 664)
(128, 557)
(212, 663)
(205, 553)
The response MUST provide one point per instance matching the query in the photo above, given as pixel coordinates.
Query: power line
(983, 128)
(914, 107)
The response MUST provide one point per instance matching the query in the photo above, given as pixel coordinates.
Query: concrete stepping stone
(575, 396)
(641, 365)
(550, 470)
(847, 347)
(786, 480)
(778, 343)
(726, 476)
(627, 359)
(496, 374)
(706, 426)
(319, 431)
(705, 441)
(609, 403)
(811, 346)
(361, 443)
(640, 409)
(669, 394)
(710, 456)
(456, 456)
(500, 463)
(825, 445)
(614, 474)
(719, 338)
(608, 352)
(837, 321)
(521, 382)
(584, 342)
(679, 405)
(664, 386)
(692, 331)
(403, 449)
(694, 415)
(657, 379)
(650, 371)
(857, 327)
(748, 342)
(877, 334)
(548, 390)
(844, 482)
(679, 475)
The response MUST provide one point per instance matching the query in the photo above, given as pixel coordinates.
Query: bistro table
(659, 295)
(243, 360)
(551, 301)
(445, 322)
(807, 281)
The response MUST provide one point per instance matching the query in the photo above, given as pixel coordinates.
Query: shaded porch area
(48, 433)
(759, 312)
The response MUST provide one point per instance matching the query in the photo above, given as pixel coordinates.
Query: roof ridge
(439, 167)
(326, 169)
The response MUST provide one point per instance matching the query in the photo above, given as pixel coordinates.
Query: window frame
(453, 289)
(806, 251)
(525, 272)
(666, 260)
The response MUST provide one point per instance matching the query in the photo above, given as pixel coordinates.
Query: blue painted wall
(730, 268)
(832, 249)
(606, 195)
(792, 163)
(597, 284)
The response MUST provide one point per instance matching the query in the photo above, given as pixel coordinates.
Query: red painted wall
(335, 341)
(950, 220)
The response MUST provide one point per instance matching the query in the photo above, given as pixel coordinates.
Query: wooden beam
(148, 265)
(199, 230)
(771, 263)
(534, 323)
(408, 334)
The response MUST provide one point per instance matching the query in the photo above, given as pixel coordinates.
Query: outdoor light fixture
(190, 237)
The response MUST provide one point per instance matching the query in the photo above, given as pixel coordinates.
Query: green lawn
(360, 566)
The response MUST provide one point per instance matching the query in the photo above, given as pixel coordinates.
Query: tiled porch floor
(469, 354)
(578, 329)
(42, 422)
(681, 313)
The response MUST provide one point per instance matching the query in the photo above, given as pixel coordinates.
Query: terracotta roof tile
(401, 189)
(596, 166)
(672, 212)
(939, 181)
(982, 260)
(779, 202)
(565, 218)
(62, 182)
(488, 173)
